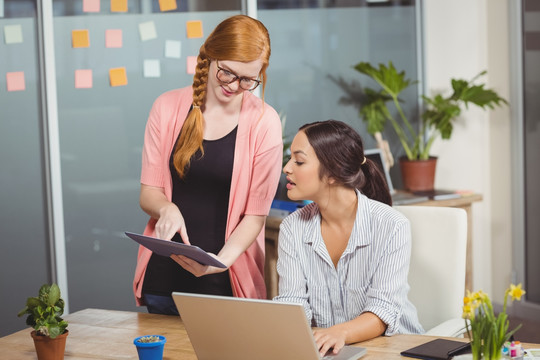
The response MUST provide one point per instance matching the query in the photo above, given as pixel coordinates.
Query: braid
(191, 137)
(200, 79)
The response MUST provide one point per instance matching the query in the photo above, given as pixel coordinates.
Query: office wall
(501, 154)
(477, 156)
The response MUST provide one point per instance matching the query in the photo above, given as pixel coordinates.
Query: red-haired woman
(210, 169)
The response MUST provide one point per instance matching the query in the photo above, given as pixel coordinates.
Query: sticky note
(173, 49)
(117, 76)
(147, 31)
(167, 5)
(13, 34)
(119, 6)
(113, 38)
(194, 29)
(152, 68)
(83, 79)
(80, 38)
(91, 6)
(15, 81)
(191, 63)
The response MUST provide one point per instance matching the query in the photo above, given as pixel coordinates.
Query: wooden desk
(272, 233)
(109, 334)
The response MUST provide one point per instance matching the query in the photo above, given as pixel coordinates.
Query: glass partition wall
(110, 67)
(25, 260)
(315, 46)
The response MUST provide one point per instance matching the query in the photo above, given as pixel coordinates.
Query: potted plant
(435, 121)
(488, 332)
(44, 315)
(150, 347)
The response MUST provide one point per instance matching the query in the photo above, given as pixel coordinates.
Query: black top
(203, 198)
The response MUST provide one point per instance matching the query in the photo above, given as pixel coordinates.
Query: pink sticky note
(191, 63)
(15, 81)
(90, 5)
(113, 38)
(83, 79)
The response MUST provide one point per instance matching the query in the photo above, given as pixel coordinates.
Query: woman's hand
(331, 338)
(196, 268)
(170, 222)
(169, 219)
(364, 327)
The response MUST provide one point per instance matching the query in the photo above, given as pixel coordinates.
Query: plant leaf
(387, 76)
(54, 294)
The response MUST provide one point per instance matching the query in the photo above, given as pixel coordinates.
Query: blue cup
(151, 350)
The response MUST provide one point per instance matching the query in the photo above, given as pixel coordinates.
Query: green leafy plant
(436, 120)
(488, 332)
(44, 312)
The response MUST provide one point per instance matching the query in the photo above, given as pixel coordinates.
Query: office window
(81, 7)
(107, 80)
(314, 49)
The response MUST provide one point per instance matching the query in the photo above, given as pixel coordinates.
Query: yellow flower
(468, 312)
(487, 331)
(480, 296)
(516, 292)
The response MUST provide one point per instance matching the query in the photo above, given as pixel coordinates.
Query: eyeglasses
(228, 77)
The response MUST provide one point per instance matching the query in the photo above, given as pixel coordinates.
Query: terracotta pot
(418, 175)
(49, 349)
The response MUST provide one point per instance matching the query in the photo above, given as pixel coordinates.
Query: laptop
(398, 197)
(227, 328)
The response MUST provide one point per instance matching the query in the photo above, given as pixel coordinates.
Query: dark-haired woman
(345, 256)
(210, 169)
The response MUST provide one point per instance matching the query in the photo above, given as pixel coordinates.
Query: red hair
(237, 38)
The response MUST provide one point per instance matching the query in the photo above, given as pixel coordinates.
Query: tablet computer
(168, 247)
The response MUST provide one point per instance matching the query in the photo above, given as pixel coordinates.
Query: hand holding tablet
(168, 248)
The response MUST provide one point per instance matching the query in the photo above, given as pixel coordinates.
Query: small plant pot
(418, 175)
(49, 349)
(150, 350)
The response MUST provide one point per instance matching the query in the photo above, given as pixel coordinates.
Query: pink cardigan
(256, 171)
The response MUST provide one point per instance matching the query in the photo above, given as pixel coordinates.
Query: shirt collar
(361, 234)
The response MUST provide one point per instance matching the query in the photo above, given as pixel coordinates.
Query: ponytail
(340, 151)
(374, 185)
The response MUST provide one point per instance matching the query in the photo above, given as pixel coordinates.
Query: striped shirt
(371, 275)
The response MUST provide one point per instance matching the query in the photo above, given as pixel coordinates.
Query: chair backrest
(438, 257)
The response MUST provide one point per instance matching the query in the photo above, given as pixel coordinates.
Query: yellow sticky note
(119, 6)
(194, 29)
(80, 38)
(167, 5)
(117, 76)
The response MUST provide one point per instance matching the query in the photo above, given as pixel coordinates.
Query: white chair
(437, 268)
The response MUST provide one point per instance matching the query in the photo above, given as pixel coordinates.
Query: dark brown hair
(340, 151)
(237, 38)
